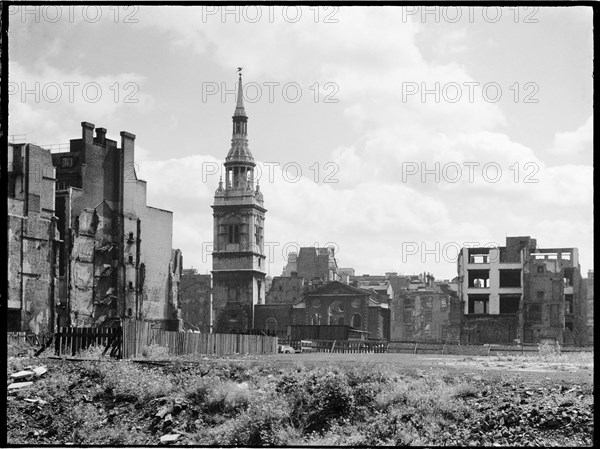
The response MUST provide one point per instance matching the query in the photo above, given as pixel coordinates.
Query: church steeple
(239, 163)
(238, 240)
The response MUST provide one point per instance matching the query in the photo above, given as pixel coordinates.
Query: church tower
(238, 242)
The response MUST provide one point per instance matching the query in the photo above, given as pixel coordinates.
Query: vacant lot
(307, 399)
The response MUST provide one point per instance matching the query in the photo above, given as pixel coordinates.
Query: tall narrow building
(238, 250)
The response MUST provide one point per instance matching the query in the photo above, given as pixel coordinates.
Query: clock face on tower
(356, 303)
(316, 303)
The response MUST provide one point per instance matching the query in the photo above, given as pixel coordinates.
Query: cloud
(60, 95)
(573, 147)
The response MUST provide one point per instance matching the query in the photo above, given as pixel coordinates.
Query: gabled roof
(337, 288)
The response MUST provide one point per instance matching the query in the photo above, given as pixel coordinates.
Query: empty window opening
(510, 278)
(479, 255)
(540, 268)
(479, 304)
(509, 303)
(479, 278)
(131, 259)
(568, 279)
(356, 321)
(569, 303)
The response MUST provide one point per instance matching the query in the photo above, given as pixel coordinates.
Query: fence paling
(180, 343)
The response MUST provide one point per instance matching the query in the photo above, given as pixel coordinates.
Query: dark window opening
(130, 285)
(130, 238)
(271, 325)
(356, 321)
(479, 278)
(131, 259)
(568, 278)
(534, 312)
(554, 315)
(66, 162)
(509, 303)
(510, 278)
(540, 268)
(13, 321)
(569, 303)
(234, 233)
(129, 312)
(479, 304)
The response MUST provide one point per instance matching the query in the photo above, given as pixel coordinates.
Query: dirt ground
(521, 366)
(515, 400)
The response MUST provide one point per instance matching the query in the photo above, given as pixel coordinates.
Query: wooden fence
(138, 335)
(72, 340)
(341, 346)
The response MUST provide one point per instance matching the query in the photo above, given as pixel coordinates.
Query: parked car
(286, 349)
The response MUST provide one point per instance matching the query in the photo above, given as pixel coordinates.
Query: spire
(239, 107)
(239, 152)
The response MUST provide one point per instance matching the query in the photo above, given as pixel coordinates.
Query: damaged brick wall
(425, 315)
(117, 259)
(32, 240)
(195, 297)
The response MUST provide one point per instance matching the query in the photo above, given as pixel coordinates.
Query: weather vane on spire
(240, 70)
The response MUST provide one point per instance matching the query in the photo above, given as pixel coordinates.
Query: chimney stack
(100, 136)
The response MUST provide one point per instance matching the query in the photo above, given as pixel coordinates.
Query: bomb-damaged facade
(85, 248)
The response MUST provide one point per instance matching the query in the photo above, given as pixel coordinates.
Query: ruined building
(313, 264)
(33, 240)
(196, 300)
(116, 256)
(424, 310)
(520, 292)
(239, 215)
(589, 299)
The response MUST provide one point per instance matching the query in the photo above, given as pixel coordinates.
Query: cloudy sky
(397, 135)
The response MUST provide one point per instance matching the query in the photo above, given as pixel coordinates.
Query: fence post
(415, 348)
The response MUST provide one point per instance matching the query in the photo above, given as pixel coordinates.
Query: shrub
(92, 352)
(547, 350)
(317, 399)
(155, 352)
(264, 423)
(130, 383)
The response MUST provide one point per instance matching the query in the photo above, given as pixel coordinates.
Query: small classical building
(116, 256)
(332, 304)
(239, 214)
(33, 240)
